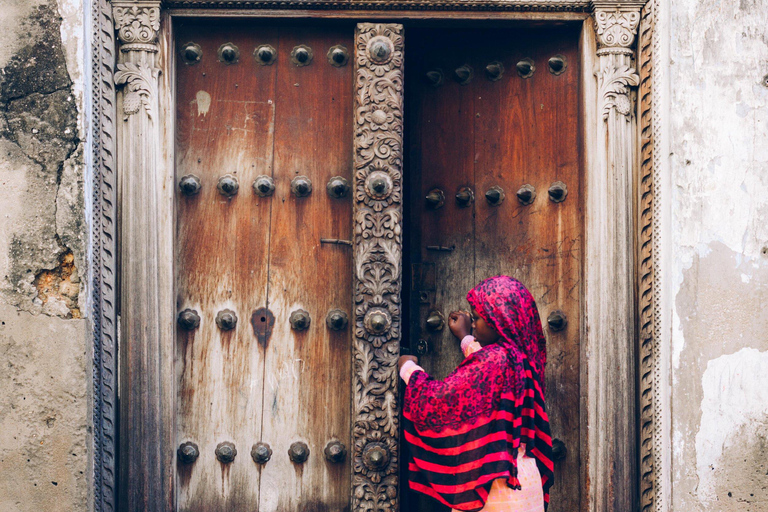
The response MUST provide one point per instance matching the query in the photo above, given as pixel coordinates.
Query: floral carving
(377, 252)
(617, 29)
(614, 84)
(378, 174)
(141, 87)
(137, 24)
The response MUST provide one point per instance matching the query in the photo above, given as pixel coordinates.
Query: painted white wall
(717, 242)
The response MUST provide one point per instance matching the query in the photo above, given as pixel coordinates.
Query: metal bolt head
(557, 64)
(264, 186)
(190, 185)
(435, 198)
(337, 187)
(338, 55)
(464, 74)
(226, 452)
(526, 68)
(378, 185)
(526, 194)
(435, 321)
(265, 55)
(465, 197)
(495, 195)
(191, 53)
(226, 319)
(435, 77)
(375, 456)
(300, 320)
(336, 320)
(228, 53)
(335, 451)
(301, 186)
(261, 453)
(494, 71)
(559, 451)
(557, 321)
(302, 55)
(376, 321)
(187, 452)
(557, 192)
(380, 49)
(228, 185)
(298, 452)
(188, 319)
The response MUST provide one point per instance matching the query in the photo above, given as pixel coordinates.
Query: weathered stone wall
(44, 356)
(718, 246)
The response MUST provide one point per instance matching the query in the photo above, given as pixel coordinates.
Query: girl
(480, 440)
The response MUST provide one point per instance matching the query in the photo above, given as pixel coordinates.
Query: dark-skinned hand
(460, 324)
(403, 359)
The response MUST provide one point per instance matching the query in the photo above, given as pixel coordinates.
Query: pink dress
(501, 498)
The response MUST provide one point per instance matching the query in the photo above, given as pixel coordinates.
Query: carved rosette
(378, 277)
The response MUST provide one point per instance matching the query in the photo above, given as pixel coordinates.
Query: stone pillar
(611, 359)
(146, 285)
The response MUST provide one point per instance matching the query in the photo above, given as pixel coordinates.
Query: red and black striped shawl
(464, 431)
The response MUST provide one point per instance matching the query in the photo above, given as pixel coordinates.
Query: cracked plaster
(44, 344)
(718, 280)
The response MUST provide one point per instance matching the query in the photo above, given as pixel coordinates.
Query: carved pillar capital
(137, 24)
(616, 26)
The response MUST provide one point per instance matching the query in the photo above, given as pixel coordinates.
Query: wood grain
(507, 133)
(225, 124)
(307, 374)
(247, 252)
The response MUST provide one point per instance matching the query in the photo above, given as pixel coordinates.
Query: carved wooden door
(493, 186)
(264, 294)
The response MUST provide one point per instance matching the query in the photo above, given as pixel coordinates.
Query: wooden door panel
(447, 232)
(506, 133)
(307, 373)
(246, 252)
(540, 243)
(224, 125)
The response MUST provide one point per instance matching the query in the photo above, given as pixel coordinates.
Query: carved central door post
(610, 255)
(378, 162)
(146, 277)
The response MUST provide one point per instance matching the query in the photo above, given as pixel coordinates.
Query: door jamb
(132, 159)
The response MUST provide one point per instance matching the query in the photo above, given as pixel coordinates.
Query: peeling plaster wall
(718, 245)
(44, 342)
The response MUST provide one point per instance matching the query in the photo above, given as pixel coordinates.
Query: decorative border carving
(104, 266)
(388, 5)
(378, 162)
(648, 264)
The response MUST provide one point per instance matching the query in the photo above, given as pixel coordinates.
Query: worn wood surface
(247, 252)
(508, 133)
(146, 312)
(307, 374)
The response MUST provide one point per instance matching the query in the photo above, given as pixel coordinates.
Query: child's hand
(403, 359)
(460, 324)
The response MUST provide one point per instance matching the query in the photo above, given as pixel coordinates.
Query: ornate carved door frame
(133, 62)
